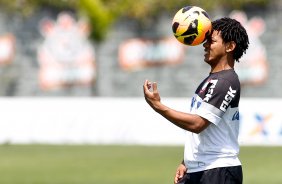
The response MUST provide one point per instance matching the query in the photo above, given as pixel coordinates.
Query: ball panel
(186, 8)
(175, 27)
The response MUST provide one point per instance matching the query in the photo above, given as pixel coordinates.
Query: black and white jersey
(217, 100)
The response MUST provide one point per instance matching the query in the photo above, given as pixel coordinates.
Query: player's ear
(230, 46)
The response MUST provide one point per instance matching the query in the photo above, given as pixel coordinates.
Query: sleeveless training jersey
(216, 99)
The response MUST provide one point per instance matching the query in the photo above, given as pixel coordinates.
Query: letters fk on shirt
(228, 98)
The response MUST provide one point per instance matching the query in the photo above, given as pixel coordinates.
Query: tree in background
(102, 13)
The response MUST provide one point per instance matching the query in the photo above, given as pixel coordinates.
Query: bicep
(200, 123)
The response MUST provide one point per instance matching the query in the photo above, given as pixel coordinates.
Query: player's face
(214, 48)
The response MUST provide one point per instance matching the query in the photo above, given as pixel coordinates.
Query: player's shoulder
(227, 76)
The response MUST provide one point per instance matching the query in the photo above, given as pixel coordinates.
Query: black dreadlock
(232, 30)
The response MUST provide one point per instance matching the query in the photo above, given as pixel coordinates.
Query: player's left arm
(191, 122)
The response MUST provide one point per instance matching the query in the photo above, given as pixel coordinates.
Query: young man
(211, 149)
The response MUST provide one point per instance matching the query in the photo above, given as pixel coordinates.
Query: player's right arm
(191, 122)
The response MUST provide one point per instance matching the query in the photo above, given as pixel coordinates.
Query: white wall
(121, 121)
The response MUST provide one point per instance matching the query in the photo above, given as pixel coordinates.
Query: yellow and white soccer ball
(191, 25)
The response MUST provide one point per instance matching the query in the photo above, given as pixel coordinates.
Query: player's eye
(212, 40)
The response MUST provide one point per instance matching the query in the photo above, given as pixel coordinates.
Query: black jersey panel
(221, 90)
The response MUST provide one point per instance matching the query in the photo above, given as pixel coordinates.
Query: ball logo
(228, 98)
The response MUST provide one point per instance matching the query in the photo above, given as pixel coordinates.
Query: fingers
(181, 170)
(155, 87)
(145, 86)
(151, 94)
(149, 86)
(178, 177)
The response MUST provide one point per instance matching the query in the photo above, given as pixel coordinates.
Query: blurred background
(106, 48)
(71, 97)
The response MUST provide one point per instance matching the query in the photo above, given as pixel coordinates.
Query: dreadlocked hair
(232, 30)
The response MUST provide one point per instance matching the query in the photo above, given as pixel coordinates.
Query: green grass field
(43, 164)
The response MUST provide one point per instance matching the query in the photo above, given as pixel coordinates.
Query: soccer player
(211, 150)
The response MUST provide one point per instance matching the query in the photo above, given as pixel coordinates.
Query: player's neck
(222, 65)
